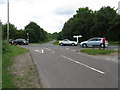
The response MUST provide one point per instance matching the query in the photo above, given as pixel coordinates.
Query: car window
(66, 40)
(91, 40)
(98, 39)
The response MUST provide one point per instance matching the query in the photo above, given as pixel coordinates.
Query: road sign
(78, 36)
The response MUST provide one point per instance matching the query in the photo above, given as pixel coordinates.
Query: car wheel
(73, 44)
(101, 45)
(84, 45)
(61, 44)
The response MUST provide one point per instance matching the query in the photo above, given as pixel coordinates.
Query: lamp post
(7, 20)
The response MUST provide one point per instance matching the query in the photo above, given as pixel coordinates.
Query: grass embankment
(9, 52)
(98, 51)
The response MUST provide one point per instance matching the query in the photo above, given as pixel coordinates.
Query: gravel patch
(24, 71)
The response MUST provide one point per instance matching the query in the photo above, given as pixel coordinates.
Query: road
(65, 67)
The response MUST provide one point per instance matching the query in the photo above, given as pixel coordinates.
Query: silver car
(94, 41)
(67, 42)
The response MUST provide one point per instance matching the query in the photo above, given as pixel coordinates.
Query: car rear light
(106, 41)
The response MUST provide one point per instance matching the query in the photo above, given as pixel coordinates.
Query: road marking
(107, 58)
(67, 48)
(50, 50)
(40, 51)
(84, 65)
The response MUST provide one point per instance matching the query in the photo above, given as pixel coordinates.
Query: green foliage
(97, 51)
(36, 33)
(113, 43)
(88, 23)
(54, 35)
(5, 47)
(12, 32)
(9, 52)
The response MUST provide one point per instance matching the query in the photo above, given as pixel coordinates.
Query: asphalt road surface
(65, 67)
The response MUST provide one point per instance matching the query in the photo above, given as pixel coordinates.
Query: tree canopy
(32, 31)
(88, 23)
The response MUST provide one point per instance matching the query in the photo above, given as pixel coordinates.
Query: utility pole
(0, 32)
(7, 20)
(119, 7)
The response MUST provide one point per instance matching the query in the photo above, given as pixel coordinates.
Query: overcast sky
(48, 14)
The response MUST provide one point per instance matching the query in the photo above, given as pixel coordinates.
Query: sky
(48, 14)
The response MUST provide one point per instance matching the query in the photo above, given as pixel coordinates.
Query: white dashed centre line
(94, 69)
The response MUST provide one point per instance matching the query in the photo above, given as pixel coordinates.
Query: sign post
(78, 36)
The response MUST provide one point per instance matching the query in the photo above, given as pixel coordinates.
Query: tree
(88, 23)
(36, 33)
(12, 31)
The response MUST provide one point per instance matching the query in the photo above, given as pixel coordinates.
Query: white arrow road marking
(40, 51)
(50, 50)
(94, 69)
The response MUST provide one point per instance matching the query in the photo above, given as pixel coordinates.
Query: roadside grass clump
(98, 51)
(9, 52)
(56, 42)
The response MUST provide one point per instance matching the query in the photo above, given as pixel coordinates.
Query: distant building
(119, 7)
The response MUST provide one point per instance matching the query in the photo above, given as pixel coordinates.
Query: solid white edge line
(84, 65)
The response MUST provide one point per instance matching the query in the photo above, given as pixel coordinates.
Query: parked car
(21, 42)
(67, 42)
(11, 41)
(94, 41)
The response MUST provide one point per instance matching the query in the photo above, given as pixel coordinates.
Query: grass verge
(97, 51)
(9, 52)
(56, 42)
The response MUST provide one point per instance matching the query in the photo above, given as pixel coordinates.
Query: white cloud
(49, 14)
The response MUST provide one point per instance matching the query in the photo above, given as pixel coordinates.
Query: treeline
(32, 31)
(88, 23)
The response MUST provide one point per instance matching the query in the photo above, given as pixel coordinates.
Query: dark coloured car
(21, 42)
(11, 41)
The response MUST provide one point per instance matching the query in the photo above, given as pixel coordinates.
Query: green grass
(56, 42)
(97, 51)
(9, 52)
